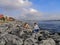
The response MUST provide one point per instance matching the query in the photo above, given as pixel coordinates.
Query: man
(36, 27)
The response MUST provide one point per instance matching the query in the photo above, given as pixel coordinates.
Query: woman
(26, 25)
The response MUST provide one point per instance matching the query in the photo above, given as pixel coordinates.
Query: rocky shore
(13, 33)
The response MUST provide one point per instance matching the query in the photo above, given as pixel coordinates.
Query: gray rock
(13, 33)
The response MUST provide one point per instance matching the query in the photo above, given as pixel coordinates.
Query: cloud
(50, 16)
(14, 4)
(23, 6)
(30, 14)
(23, 9)
(54, 16)
(33, 10)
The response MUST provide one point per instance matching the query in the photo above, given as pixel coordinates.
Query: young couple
(35, 29)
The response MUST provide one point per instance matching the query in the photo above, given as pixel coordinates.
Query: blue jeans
(35, 31)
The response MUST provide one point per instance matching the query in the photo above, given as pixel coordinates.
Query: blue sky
(39, 9)
(47, 5)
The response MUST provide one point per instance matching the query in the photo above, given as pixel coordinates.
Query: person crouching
(36, 28)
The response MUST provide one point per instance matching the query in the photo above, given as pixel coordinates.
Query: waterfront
(53, 26)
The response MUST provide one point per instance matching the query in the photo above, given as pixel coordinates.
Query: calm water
(53, 26)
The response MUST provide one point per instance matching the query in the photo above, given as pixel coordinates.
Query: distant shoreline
(50, 20)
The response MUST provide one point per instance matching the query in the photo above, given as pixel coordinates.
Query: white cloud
(30, 14)
(21, 1)
(23, 6)
(50, 16)
(9, 4)
(25, 11)
(54, 16)
(33, 10)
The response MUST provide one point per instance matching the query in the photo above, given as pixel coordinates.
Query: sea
(52, 26)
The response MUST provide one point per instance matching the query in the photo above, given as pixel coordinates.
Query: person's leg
(34, 31)
(37, 30)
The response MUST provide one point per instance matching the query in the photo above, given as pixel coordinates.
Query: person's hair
(35, 23)
(25, 24)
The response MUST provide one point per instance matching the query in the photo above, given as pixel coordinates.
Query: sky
(31, 9)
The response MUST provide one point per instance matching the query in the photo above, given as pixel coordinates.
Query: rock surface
(13, 33)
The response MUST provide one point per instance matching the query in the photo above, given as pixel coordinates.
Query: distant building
(5, 18)
(11, 19)
(1, 16)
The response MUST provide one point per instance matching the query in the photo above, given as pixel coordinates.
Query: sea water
(53, 26)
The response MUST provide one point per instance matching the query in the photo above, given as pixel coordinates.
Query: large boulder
(48, 41)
